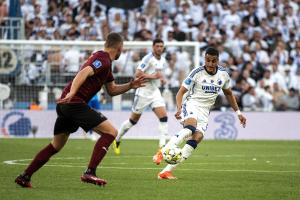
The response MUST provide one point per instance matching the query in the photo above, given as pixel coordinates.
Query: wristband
(238, 112)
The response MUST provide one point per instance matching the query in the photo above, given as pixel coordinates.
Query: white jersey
(204, 88)
(151, 65)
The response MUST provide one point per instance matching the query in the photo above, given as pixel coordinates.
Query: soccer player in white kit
(152, 67)
(203, 85)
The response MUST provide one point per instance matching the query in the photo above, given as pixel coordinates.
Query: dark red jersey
(101, 63)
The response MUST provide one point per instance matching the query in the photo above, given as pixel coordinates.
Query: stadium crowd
(258, 40)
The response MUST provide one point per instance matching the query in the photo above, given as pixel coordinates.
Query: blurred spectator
(290, 101)
(127, 63)
(177, 33)
(36, 68)
(71, 60)
(278, 94)
(3, 14)
(250, 101)
(290, 78)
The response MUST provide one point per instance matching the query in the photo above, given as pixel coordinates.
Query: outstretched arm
(232, 101)
(114, 89)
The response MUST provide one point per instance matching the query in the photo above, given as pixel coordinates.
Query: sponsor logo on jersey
(97, 64)
(211, 89)
(143, 65)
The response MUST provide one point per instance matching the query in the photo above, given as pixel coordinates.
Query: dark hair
(157, 40)
(113, 40)
(212, 51)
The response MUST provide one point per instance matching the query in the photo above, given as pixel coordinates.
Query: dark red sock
(40, 159)
(100, 149)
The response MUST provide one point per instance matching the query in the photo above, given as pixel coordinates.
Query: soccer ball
(172, 155)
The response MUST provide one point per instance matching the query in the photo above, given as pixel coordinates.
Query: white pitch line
(15, 162)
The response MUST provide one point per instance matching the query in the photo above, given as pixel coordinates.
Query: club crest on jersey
(188, 81)
(219, 82)
(97, 64)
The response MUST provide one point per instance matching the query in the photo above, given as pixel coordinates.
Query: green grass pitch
(217, 170)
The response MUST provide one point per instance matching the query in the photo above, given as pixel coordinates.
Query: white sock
(163, 130)
(126, 125)
(187, 150)
(179, 137)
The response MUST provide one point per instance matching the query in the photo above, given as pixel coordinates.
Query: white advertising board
(222, 125)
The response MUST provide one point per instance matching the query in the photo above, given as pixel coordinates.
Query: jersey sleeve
(94, 61)
(102, 66)
(144, 64)
(189, 80)
(227, 82)
(110, 77)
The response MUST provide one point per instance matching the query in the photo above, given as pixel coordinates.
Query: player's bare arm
(179, 96)
(156, 75)
(116, 89)
(77, 82)
(232, 101)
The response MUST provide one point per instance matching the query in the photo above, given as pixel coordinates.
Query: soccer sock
(179, 137)
(100, 149)
(40, 159)
(125, 126)
(163, 130)
(187, 150)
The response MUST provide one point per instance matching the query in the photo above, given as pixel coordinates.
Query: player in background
(202, 86)
(73, 111)
(151, 67)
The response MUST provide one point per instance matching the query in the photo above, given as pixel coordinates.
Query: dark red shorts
(72, 116)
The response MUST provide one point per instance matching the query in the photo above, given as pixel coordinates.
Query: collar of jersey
(209, 72)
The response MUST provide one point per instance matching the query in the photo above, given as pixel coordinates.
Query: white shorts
(140, 103)
(190, 109)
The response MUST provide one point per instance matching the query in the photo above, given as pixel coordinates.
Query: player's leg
(108, 134)
(161, 114)
(42, 158)
(62, 128)
(139, 104)
(126, 125)
(177, 139)
(187, 150)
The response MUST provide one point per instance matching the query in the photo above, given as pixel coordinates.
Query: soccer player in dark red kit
(73, 111)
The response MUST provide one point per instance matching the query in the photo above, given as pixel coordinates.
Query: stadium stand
(259, 43)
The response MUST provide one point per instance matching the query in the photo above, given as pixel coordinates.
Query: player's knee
(192, 143)
(113, 132)
(133, 122)
(198, 136)
(163, 119)
(191, 128)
